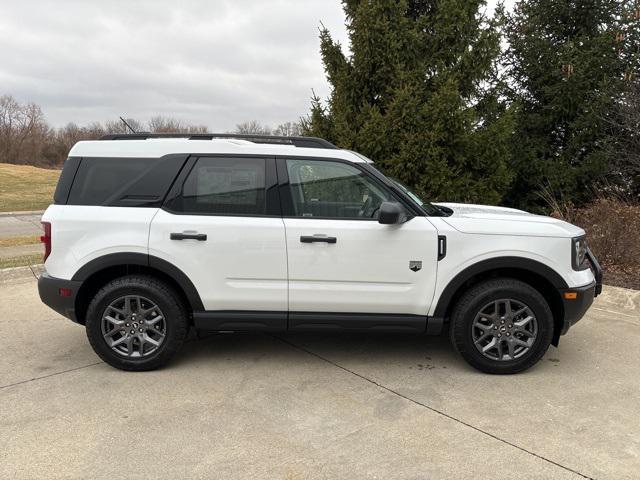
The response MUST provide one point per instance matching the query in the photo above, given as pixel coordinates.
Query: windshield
(430, 209)
(406, 190)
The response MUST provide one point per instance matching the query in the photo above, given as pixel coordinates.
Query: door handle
(188, 236)
(317, 238)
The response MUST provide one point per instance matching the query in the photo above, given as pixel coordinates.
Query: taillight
(46, 239)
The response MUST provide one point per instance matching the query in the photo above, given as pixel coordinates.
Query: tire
(133, 325)
(480, 320)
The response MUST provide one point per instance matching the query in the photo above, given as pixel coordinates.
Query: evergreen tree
(567, 63)
(416, 95)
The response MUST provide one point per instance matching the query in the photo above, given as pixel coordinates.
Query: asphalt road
(329, 406)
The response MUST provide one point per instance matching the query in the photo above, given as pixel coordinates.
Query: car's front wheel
(502, 326)
(136, 323)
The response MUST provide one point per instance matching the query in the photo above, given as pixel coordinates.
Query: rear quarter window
(65, 181)
(122, 182)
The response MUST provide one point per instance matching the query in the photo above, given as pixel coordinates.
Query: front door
(341, 261)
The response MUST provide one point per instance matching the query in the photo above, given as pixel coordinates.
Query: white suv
(152, 234)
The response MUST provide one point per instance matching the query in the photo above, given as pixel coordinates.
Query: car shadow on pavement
(417, 351)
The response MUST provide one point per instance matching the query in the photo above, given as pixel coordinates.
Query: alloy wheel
(133, 326)
(504, 329)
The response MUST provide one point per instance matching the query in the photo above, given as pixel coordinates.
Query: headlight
(578, 252)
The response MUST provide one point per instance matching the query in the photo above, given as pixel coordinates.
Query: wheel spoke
(127, 306)
(117, 310)
(141, 343)
(114, 321)
(129, 343)
(119, 341)
(520, 312)
(147, 311)
(150, 340)
(522, 343)
(154, 320)
(490, 345)
(526, 332)
(522, 323)
(112, 333)
(483, 337)
(138, 305)
(511, 347)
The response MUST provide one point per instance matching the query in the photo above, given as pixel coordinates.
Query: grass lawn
(21, 261)
(23, 187)
(18, 241)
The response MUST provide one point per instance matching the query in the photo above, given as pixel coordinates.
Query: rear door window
(224, 186)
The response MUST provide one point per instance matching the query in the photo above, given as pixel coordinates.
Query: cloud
(216, 63)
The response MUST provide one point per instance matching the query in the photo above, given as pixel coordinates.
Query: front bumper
(575, 308)
(597, 271)
(51, 291)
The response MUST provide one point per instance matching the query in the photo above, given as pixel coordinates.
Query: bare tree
(23, 131)
(252, 127)
(26, 138)
(288, 129)
(118, 126)
(160, 124)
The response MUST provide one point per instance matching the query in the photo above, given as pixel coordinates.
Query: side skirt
(236, 320)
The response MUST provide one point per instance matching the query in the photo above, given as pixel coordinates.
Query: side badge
(415, 265)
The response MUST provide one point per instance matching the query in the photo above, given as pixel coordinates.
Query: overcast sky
(215, 63)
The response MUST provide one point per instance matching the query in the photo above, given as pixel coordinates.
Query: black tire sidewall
(161, 295)
(475, 299)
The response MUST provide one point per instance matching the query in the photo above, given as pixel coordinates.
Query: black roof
(303, 142)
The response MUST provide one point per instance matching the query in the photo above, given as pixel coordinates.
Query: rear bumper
(49, 290)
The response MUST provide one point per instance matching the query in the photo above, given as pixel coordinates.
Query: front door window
(328, 189)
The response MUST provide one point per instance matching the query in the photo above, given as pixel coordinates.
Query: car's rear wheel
(502, 326)
(136, 323)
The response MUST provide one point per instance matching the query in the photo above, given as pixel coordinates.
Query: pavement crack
(34, 273)
(50, 375)
(434, 410)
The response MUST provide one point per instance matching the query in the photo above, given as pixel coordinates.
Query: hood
(485, 219)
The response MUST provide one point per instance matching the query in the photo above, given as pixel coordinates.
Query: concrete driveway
(330, 406)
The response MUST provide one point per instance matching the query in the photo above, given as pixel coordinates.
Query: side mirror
(391, 213)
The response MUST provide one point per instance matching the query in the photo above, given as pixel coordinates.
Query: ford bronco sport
(152, 234)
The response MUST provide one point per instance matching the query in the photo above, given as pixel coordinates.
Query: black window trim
(272, 193)
(286, 196)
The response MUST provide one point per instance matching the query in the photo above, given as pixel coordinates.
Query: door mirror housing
(391, 213)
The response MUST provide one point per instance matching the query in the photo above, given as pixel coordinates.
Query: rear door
(221, 225)
(342, 261)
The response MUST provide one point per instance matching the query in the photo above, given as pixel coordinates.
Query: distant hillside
(23, 187)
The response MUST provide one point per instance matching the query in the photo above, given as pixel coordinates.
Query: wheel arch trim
(144, 260)
(492, 264)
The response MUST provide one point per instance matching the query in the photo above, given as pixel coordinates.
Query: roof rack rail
(303, 142)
